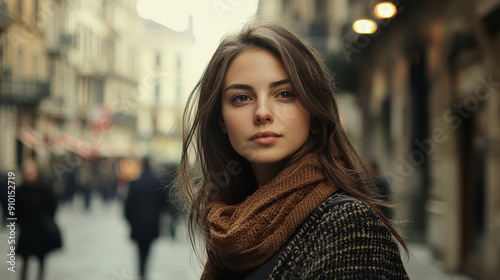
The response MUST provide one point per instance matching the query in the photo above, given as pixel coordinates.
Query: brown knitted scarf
(245, 235)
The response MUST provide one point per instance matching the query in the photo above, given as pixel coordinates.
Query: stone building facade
(430, 92)
(66, 69)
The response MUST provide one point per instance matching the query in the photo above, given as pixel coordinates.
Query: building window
(20, 6)
(158, 59)
(35, 11)
(103, 9)
(100, 92)
(19, 63)
(320, 7)
(88, 43)
(157, 92)
(35, 67)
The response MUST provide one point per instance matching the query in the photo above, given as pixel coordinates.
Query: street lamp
(384, 10)
(364, 26)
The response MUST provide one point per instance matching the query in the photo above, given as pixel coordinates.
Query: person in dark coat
(36, 207)
(143, 206)
(384, 189)
(4, 188)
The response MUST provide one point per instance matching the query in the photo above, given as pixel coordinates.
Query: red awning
(83, 148)
(30, 138)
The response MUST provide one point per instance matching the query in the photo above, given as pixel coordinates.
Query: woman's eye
(286, 94)
(240, 99)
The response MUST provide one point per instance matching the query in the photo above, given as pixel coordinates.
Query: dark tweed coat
(345, 241)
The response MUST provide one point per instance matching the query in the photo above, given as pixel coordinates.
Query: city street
(97, 247)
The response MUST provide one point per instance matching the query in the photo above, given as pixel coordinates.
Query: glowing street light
(364, 26)
(385, 10)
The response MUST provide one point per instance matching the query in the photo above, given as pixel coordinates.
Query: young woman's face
(264, 120)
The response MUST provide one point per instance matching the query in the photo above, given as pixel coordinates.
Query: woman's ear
(315, 126)
(222, 125)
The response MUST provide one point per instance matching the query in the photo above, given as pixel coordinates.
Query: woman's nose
(263, 112)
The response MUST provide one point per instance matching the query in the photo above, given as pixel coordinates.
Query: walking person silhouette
(36, 207)
(143, 206)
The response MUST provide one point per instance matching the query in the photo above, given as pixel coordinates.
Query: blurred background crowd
(87, 88)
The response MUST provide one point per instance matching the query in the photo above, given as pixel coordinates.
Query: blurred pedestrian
(85, 181)
(108, 180)
(4, 187)
(283, 194)
(36, 206)
(143, 204)
(172, 207)
(383, 188)
(70, 185)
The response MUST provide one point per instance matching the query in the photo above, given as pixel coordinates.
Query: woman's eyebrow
(279, 83)
(238, 86)
(248, 87)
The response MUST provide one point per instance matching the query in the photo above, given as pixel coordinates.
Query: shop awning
(30, 138)
(81, 147)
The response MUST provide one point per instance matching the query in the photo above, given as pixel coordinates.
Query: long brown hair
(217, 170)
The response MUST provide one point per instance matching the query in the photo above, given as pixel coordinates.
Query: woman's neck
(266, 172)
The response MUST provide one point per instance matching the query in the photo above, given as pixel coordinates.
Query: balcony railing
(58, 43)
(22, 92)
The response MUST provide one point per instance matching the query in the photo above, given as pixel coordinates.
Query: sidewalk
(97, 247)
(422, 266)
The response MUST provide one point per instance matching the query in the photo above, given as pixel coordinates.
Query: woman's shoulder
(349, 216)
(348, 238)
(343, 208)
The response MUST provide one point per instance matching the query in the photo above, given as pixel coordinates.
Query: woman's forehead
(255, 64)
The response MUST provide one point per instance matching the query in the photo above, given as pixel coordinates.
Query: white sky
(173, 14)
(212, 19)
(213, 16)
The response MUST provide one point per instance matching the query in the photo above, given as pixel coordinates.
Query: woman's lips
(265, 138)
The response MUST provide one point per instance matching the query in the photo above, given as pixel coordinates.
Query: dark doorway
(419, 132)
(472, 135)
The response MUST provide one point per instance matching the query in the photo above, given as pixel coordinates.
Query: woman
(274, 160)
